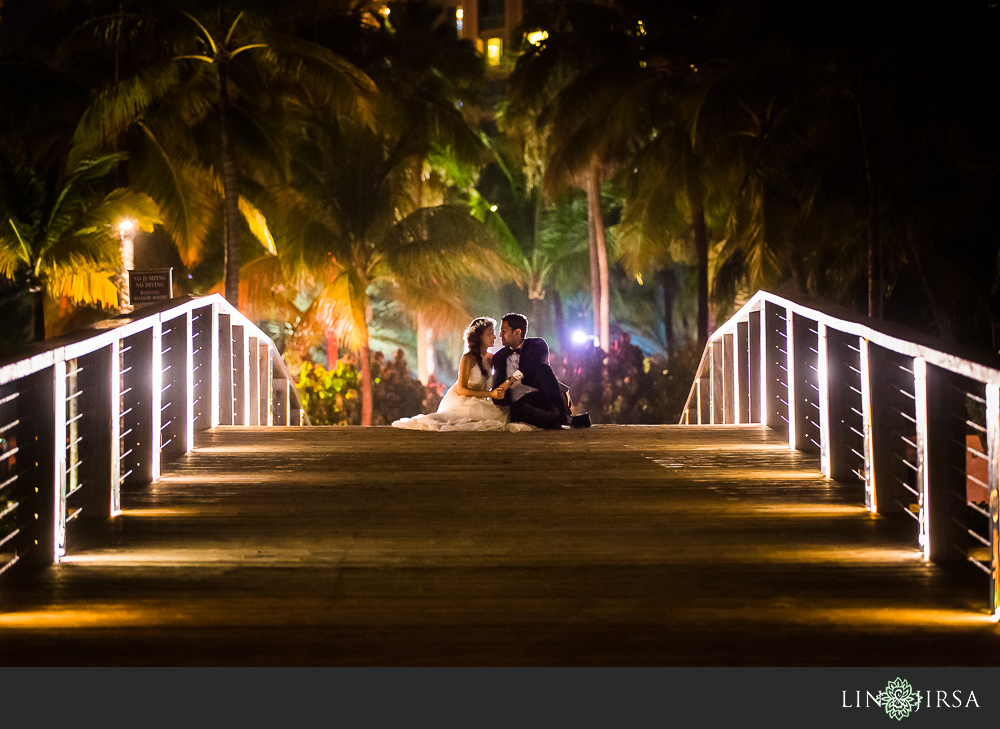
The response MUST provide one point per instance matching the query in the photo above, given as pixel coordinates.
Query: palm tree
(566, 108)
(429, 81)
(57, 235)
(351, 227)
(211, 114)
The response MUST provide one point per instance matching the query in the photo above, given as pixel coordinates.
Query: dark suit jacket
(534, 365)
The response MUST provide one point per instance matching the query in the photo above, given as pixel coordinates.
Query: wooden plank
(367, 546)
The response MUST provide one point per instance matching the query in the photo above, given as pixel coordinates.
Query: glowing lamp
(494, 47)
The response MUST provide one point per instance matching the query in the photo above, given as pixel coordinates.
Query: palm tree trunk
(332, 353)
(941, 319)
(366, 386)
(794, 254)
(595, 275)
(425, 350)
(230, 191)
(875, 293)
(538, 317)
(594, 213)
(701, 253)
(557, 314)
(38, 309)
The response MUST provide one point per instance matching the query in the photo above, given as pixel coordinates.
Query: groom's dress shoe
(580, 421)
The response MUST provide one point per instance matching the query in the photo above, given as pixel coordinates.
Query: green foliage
(332, 397)
(624, 386)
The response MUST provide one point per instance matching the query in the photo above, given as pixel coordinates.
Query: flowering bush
(330, 397)
(333, 397)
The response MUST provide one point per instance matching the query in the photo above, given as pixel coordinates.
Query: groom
(538, 399)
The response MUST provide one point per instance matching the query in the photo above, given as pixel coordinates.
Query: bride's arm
(462, 386)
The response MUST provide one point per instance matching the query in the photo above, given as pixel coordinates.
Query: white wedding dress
(460, 412)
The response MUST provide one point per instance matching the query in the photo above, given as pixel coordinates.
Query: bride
(468, 405)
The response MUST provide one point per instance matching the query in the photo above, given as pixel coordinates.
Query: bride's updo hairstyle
(474, 339)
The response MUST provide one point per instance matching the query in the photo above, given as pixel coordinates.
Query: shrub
(333, 397)
(624, 386)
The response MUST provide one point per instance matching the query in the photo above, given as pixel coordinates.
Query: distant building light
(494, 48)
(537, 36)
(459, 13)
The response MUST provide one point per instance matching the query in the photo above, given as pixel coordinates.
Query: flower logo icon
(899, 699)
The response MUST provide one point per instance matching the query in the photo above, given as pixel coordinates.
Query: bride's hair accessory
(474, 339)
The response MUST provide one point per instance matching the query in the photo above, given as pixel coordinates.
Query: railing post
(253, 381)
(843, 404)
(240, 404)
(718, 378)
(137, 391)
(805, 376)
(705, 389)
(175, 349)
(729, 387)
(823, 367)
(993, 453)
(203, 364)
(943, 465)
(266, 387)
(281, 398)
(37, 487)
(59, 460)
(225, 359)
(741, 368)
(920, 411)
(873, 373)
(188, 381)
(792, 364)
(754, 350)
(157, 400)
(774, 411)
(881, 417)
(99, 400)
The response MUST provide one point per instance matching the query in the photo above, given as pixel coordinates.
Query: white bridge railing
(86, 414)
(917, 420)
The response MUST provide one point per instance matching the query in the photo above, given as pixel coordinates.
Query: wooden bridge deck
(662, 545)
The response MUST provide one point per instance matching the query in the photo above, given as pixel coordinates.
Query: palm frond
(258, 225)
(118, 107)
(342, 307)
(265, 292)
(445, 243)
(329, 79)
(185, 191)
(82, 281)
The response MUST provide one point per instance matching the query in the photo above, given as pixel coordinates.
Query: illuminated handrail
(880, 403)
(110, 406)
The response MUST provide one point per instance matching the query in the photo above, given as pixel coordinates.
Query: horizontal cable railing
(916, 420)
(108, 407)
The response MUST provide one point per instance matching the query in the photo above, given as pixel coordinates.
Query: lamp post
(126, 249)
